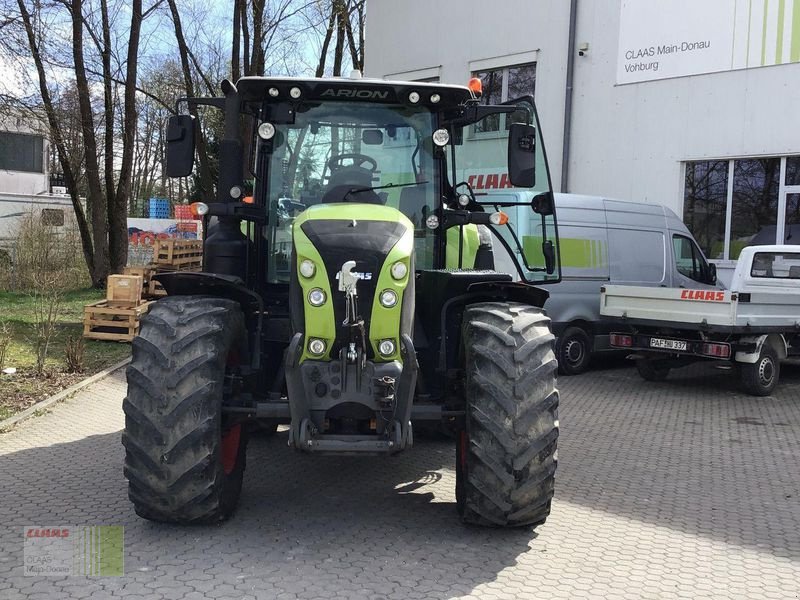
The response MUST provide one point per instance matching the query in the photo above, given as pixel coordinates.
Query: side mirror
(712, 273)
(522, 155)
(180, 145)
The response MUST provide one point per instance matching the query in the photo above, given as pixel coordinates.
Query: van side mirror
(712, 273)
(180, 145)
(522, 155)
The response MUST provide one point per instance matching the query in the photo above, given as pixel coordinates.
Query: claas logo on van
(705, 295)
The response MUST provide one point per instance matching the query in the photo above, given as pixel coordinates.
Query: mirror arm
(473, 113)
(215, 102)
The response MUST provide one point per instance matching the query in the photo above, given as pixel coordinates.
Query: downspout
(565, 147)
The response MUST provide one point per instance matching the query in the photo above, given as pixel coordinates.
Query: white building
(23, 155)
(693, 105)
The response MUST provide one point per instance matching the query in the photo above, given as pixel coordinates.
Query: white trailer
(753, 326)
(55, 209)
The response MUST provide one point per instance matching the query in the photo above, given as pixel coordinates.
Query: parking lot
(681, 489)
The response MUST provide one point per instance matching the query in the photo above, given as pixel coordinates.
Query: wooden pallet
(124, 291)
(178, 253)
(104, 322)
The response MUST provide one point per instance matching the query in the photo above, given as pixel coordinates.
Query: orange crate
(104, 322)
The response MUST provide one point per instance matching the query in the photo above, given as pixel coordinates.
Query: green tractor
(380, 275)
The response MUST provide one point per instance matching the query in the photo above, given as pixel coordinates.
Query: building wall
(449, 39)
(628, 141)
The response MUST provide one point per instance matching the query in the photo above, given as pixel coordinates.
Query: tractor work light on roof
(295, 92)
(273, 92)
(435, 98)
(413, 97)
(432, 222)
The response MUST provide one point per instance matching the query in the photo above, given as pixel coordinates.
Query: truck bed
(758, 311)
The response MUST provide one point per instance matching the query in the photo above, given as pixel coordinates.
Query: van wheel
(761, 377)
(650, 370)
(573, 351)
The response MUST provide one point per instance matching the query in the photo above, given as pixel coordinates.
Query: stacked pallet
(169, 256)
(178, 255)
(117, 317)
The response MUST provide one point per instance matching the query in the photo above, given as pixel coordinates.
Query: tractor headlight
(316, 297)
(386, 347)
(388, 298)
(316, 346)
(399, 270)
(308, 268)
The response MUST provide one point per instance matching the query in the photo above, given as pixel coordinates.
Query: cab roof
(277, 89)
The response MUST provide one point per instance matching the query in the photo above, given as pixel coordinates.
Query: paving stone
(681, 489)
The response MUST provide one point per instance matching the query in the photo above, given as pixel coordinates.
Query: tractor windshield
(351, 152)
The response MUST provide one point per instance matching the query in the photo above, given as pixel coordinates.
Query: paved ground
(681, 489)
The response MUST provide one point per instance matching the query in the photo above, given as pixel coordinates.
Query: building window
(21, 152)
(731, 204)
(754, 214)
(54, 217)
(501, 85)
(704, 204)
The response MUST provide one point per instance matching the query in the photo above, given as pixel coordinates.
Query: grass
(24, 388)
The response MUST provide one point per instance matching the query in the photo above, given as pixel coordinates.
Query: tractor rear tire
(506, 457)
(184, 461)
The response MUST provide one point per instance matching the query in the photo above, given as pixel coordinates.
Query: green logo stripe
(99, 551)
(781, 19)
(794, 53)
(764, 34)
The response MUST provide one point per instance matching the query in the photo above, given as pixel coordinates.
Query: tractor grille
(365, 242)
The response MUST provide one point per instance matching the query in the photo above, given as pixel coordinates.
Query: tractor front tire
(183, 460)
(506, 457)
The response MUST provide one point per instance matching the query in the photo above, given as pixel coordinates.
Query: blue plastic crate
(158, 208)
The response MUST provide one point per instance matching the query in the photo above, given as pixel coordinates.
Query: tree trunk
(323, 55)
(118, 216)
(58, 140)
(237, 42)
(206, 183)
(257, 57)
(97, 204)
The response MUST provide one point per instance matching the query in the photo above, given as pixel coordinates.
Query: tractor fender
(775, 340)
(188, 283)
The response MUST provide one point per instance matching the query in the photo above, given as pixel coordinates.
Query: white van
(610, 241)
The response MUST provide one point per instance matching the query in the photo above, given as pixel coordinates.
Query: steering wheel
(335, 163)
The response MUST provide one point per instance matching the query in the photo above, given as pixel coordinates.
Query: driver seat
(345, 179)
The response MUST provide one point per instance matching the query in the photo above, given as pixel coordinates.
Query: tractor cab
(380, 277)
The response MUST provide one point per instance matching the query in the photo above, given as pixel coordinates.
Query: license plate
(668, 344)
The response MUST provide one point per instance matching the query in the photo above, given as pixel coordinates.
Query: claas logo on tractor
(367, 279)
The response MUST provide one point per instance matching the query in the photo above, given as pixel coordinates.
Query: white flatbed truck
(753, 326)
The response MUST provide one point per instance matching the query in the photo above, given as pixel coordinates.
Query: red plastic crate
(183, 211)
